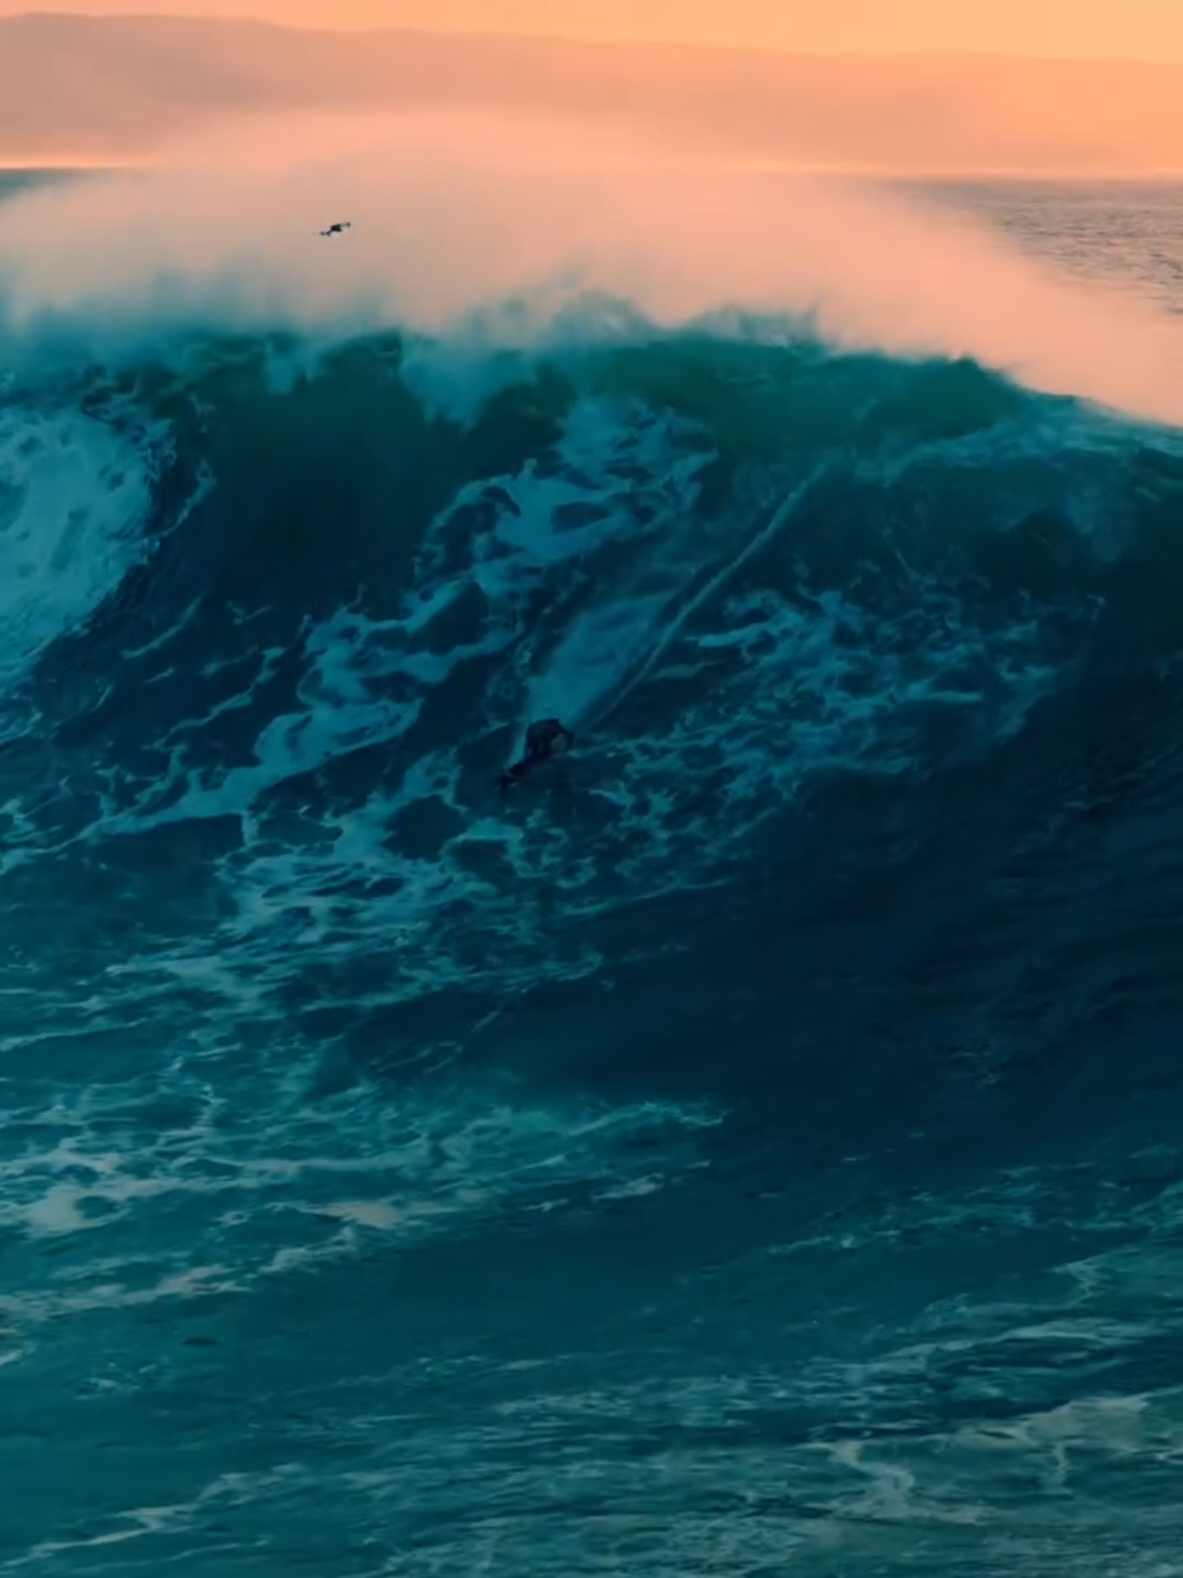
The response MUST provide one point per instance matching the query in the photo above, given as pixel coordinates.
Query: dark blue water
(756, 1145)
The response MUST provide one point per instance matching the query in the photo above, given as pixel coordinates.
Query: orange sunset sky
(1133, 29)
(1081, 87)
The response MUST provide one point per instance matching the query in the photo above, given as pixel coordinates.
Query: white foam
(74, 497)
(631, 592)
(320, 1173)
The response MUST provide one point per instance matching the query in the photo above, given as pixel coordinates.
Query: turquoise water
(752, 1149)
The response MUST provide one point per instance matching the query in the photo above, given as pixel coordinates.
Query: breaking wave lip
(489, 232)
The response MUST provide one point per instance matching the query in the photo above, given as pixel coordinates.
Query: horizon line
(1167, 175)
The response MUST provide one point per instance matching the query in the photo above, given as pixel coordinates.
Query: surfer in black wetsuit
(541, 740)
(339, 228)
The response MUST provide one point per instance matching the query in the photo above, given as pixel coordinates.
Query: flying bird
(336, 230)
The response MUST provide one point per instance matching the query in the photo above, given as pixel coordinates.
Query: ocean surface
(752, 1147)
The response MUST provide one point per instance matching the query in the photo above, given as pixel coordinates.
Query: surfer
(339, 228)
(542, 739)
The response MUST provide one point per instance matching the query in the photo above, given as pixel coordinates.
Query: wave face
(754, 1140)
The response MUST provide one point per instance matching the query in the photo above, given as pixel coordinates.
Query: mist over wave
(499, 230)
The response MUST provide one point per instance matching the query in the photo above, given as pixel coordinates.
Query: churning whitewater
(750, 1144)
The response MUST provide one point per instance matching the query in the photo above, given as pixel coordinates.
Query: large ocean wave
(302, 613)
(872, 660)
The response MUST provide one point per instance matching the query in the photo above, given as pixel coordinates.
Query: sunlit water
(755, 1148)
(1126, 236)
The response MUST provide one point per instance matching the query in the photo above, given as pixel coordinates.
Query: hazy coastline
(118, 90)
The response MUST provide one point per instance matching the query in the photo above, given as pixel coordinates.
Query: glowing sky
(1141, 29)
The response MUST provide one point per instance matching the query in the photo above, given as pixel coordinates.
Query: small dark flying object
(337, 229)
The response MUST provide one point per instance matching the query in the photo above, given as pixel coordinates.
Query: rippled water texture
(754, 1146)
